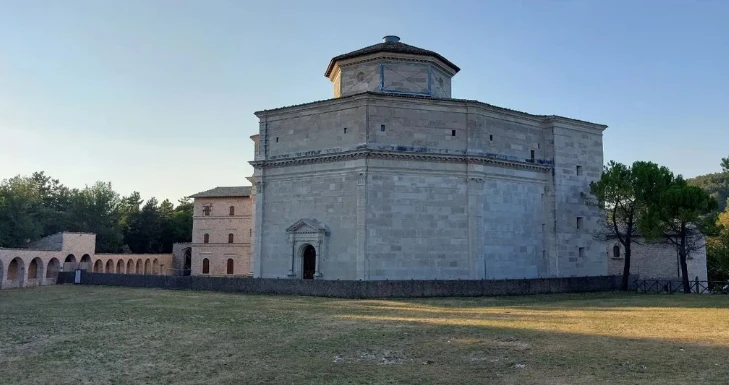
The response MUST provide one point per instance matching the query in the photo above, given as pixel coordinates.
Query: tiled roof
(221, 192)
(394, 47)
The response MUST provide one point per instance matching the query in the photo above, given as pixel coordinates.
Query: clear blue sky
(130, 91)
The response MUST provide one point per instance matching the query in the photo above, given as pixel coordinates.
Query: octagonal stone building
(393, 178)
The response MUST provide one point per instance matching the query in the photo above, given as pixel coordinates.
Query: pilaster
(256, 260)
(475, 211)
(362, 272)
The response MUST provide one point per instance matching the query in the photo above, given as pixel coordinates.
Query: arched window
(616, 251)
(206, 238)
(206, 266)
(230, 266)
(232, 210)
(230, 238)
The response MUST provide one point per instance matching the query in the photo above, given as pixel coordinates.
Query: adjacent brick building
(222, 231)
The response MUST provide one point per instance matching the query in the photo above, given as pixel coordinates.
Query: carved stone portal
(308, 248)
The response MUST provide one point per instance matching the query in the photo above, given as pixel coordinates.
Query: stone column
(292, 271)
(317, 260)
(475, 211)
(361, 226)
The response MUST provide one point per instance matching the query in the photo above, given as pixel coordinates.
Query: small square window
(580, 222)
(382, 127)
(579, 170)
(453, 132)
(581, 252)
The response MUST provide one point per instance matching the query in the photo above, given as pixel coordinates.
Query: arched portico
(2, 274)
(35, 272)
(85, 263)
(120, 267)
(130, 267)
(16, 273)
(308, 248)
(98, 266)
(140, 267)
(69, 264)
(52, 271)
(109, 266)
(155, 267)
(148, 267)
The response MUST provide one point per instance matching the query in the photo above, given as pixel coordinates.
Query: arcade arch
(109, 266)
(16, 272)
(53, 268)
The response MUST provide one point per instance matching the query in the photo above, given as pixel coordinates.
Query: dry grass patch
(102, 335)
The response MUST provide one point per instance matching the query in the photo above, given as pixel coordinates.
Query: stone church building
(394, 178)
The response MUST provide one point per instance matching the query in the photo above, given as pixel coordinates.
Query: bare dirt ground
(102, 335)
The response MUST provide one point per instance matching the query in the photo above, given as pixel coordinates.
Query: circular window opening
(360, 76)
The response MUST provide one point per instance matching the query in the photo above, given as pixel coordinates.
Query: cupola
(392, 67)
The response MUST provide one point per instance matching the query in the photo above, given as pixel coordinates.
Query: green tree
(624, 192)
(95, 209)
(182, 221)
(681, 215)
(725, 164)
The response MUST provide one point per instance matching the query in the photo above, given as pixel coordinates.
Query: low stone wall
(354, 289)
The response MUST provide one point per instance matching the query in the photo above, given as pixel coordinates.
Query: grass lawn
(102, 335)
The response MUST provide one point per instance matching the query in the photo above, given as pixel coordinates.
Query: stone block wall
(578, 160)
(315, 131)
(513, 236)
(356, 289)
(656, 261)
(410, 128)
(417, 224)
(325, 192)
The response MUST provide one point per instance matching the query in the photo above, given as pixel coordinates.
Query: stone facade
(396, 180)
(39, 263)
(656, 261)
(222, 232)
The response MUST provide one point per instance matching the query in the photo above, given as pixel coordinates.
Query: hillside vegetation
(717, 185)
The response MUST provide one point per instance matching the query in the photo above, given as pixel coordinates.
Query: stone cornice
(407, 156)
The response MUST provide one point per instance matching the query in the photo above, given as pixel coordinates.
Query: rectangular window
(345, 130)
(532, 156)
(453, 132)
(491, 138)
(580, 222)
(277, 139)
(207, 209)
(382, 127)
(581, 252)
(579, 170)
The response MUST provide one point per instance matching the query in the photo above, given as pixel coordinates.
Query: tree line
(645, 202)
(35, 206)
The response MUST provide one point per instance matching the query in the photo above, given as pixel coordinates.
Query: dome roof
(389, 44)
